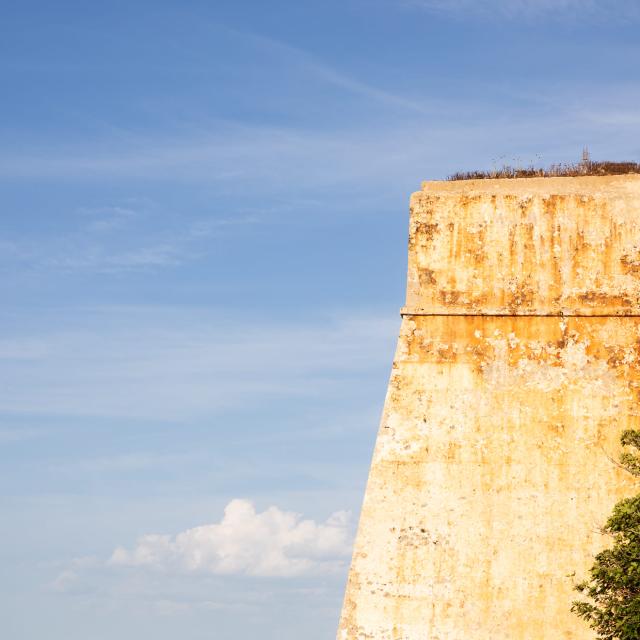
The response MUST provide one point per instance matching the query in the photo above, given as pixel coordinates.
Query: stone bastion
(517, 368)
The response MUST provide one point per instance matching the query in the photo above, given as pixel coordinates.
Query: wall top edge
(559, 185)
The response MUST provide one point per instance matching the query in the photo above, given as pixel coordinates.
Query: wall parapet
(533, 246)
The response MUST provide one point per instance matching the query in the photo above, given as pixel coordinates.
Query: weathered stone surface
(527, 246)
(493, 465)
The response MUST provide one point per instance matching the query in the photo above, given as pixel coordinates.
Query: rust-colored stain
(517, 367)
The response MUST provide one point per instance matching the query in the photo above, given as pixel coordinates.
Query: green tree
(612, 607)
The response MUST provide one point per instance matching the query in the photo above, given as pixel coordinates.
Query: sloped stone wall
(517, 367)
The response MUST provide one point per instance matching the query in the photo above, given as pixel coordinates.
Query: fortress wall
(517, 367)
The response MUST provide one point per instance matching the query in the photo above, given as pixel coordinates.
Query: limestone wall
(518, 364)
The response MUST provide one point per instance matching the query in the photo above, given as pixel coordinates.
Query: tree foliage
(612, 607)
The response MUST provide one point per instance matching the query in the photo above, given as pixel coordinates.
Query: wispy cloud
(315, 67)
(260, 154)
(162, 364)
(19, 434)
(554, 9)
(96, 258)
(210, 227)
(69, 579)
(299, 161)
(107, 218)
(115, 239)
(82, 253)
(609, 117)
(125, 462)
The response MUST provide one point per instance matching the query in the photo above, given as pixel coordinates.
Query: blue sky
(202, 253)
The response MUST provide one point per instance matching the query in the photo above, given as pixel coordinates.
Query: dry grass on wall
(583, 168)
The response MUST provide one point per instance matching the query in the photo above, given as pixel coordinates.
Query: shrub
(612, 607)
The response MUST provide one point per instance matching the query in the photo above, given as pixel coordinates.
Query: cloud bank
(273, 543)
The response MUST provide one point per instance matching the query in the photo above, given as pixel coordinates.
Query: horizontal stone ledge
(407, 311)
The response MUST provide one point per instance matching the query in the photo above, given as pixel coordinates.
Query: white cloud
(273, 543)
